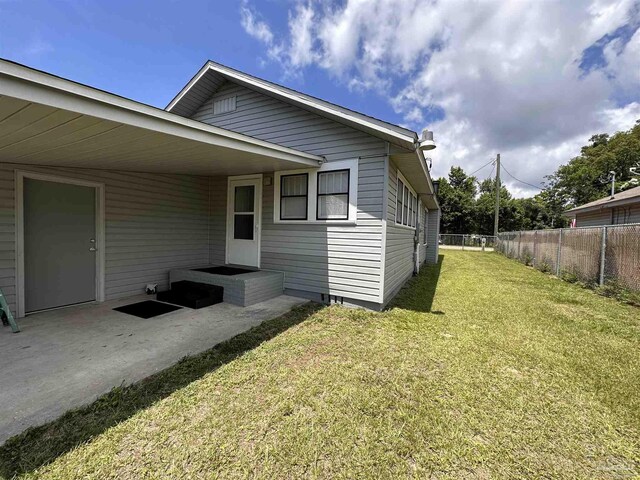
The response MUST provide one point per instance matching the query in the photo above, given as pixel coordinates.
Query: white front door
(244, 201)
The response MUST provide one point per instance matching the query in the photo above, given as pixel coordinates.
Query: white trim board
(39, 87)
(19, 212)
(312, 190)
(337, 113)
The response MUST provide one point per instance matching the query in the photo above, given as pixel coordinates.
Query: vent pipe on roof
(613, 184)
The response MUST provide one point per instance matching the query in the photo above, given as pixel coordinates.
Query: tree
(584, 178)
(468, 209)
(457, 201)
(509, 215)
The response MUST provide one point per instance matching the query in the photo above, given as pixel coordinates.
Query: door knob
(92, 249)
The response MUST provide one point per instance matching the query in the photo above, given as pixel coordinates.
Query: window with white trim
(317, 195)
(294, 196)
(333, 195)
(399, 204)
(424, 227)
(406, 205)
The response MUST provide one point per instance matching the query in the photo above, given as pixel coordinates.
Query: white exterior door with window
(244, 202)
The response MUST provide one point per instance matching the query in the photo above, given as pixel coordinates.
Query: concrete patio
(66, 358)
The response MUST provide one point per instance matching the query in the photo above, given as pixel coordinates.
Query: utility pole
(495, 223)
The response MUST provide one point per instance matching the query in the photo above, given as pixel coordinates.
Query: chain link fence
(594, 255)
(467, 241)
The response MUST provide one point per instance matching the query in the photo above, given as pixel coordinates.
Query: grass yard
(500, 371)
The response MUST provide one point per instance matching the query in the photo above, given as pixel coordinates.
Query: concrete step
(243, 289)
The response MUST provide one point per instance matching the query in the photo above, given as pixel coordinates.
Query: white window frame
(411, 198)
(425, 216)
(312, 192)
(306, 198)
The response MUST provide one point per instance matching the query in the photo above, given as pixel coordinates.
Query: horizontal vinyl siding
(634, 214)
(218, 218)
(399, 249)
(334, 259)
(153, 223)
(626, 214)
(422, 247)
(7, 235)
(433, 231)
(342, 260)
(594, 219)
(273, 120)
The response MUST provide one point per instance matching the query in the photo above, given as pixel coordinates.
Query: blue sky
(148, 50)
(530, 80)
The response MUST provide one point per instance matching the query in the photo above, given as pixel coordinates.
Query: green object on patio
(6, 313)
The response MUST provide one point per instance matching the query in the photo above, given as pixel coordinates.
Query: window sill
(315, 222)
(404, 227)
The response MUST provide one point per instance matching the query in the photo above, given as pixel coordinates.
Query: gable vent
(224, 105)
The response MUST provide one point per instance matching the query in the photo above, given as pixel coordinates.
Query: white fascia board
(611, 204)
(196, 78)
(423, 164)
(39, 87)
(407, 140)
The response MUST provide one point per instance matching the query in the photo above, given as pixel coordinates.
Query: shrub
(568, 276)
(544, 266)
(615, 290)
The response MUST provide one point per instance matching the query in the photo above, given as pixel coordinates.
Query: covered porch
(65, 358)
(159, 192)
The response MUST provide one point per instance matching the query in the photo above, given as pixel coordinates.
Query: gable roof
(622, 198)
(212, 75)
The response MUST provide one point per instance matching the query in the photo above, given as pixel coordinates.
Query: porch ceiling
(47, 120)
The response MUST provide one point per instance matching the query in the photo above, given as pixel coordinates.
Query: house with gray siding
(619, 209)
(101, 195)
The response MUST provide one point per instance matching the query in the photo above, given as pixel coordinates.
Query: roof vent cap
(426, 142)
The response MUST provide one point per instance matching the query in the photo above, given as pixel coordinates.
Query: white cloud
(253, 26)
(301, 52)
(506, 75)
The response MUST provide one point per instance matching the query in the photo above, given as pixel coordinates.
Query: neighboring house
(101, 195)
(623, 207)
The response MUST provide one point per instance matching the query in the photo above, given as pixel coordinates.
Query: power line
(518, 180)
(490, 161)
(492, 170)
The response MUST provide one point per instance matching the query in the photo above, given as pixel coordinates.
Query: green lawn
(501, 371)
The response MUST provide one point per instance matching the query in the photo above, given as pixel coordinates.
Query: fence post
(603, 249)
(559, 256)
(535, 238)
(519, 242)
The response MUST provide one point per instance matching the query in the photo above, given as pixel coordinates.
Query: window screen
(243, 212)
(333, 195)
(424, 227)
(405, 213)
(294, 196)
(399, 191)
(414, 211)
